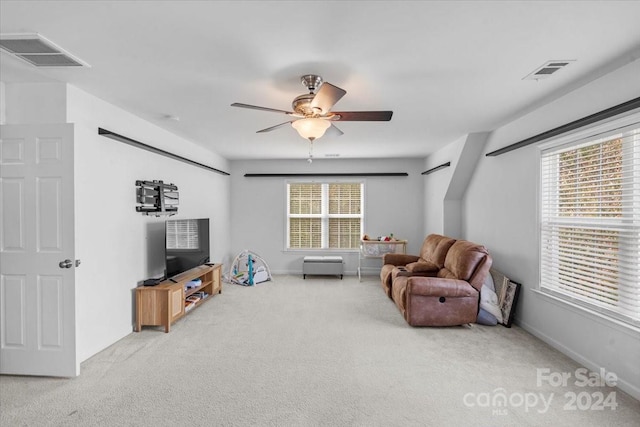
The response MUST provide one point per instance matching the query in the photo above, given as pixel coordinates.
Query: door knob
(67, 263)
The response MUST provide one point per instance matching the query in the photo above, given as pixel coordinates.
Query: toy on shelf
(377, 248)
(388, 238)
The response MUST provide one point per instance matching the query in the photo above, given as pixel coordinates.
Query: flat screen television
(186, 245)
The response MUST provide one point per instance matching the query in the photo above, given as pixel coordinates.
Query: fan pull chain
(310, 159)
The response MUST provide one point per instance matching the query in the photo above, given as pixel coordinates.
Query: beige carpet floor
(315, 352)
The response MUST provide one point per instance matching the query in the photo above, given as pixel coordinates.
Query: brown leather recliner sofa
(439, 287)
(428, 263)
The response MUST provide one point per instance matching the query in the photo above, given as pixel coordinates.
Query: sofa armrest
(422, 267)
(436, 286)
(398, 259)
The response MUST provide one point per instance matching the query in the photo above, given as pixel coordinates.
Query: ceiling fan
(312, 115)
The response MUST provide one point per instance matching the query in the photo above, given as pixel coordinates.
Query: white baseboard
(622, 384)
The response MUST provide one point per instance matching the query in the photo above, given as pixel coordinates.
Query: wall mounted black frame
(576, 124)
(321, 175)
(437, 168)
(156, 198)
(138, 144)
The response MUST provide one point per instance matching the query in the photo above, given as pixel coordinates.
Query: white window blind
(345, 215)
(324, 215)
(183, 234)
(590, 222)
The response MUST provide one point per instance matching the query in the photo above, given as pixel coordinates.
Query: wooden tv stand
(163, 304)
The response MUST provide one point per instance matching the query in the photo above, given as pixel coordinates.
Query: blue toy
(250, 264)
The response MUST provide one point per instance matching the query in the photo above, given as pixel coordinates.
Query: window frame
(600, 131)
(324, 215)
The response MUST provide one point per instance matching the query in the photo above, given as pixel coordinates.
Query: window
(590, 221)
(183, 234)
(324, 215)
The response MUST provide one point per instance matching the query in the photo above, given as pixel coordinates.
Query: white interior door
(37, 286)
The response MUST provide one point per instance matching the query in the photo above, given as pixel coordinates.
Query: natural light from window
(325, 215)
(590, 222)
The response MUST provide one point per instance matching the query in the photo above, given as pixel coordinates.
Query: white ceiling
(444, 68)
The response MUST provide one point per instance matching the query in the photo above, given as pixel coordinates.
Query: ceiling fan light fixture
(312, 116)
(311, 128)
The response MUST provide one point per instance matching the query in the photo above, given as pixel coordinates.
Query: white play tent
(248, 269)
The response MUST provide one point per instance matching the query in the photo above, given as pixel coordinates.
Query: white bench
(322, 265)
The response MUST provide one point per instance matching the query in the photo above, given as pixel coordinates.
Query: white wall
(392, 205)
(118, 246)
(436, 185)
(445, 188)
(3, 104)
(500, 211)
(28, 103)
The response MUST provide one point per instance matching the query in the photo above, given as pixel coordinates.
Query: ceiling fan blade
(364, 116)
(255, 107)
(273, 127)
(327, 96)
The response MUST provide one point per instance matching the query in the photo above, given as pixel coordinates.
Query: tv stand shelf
(163, 304)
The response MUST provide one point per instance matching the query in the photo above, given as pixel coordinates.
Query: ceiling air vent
(38, 51)
(547, 69)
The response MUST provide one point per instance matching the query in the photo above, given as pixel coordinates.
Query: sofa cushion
(489, 300)
(486, 318)
(463, 260)
(435, 248)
